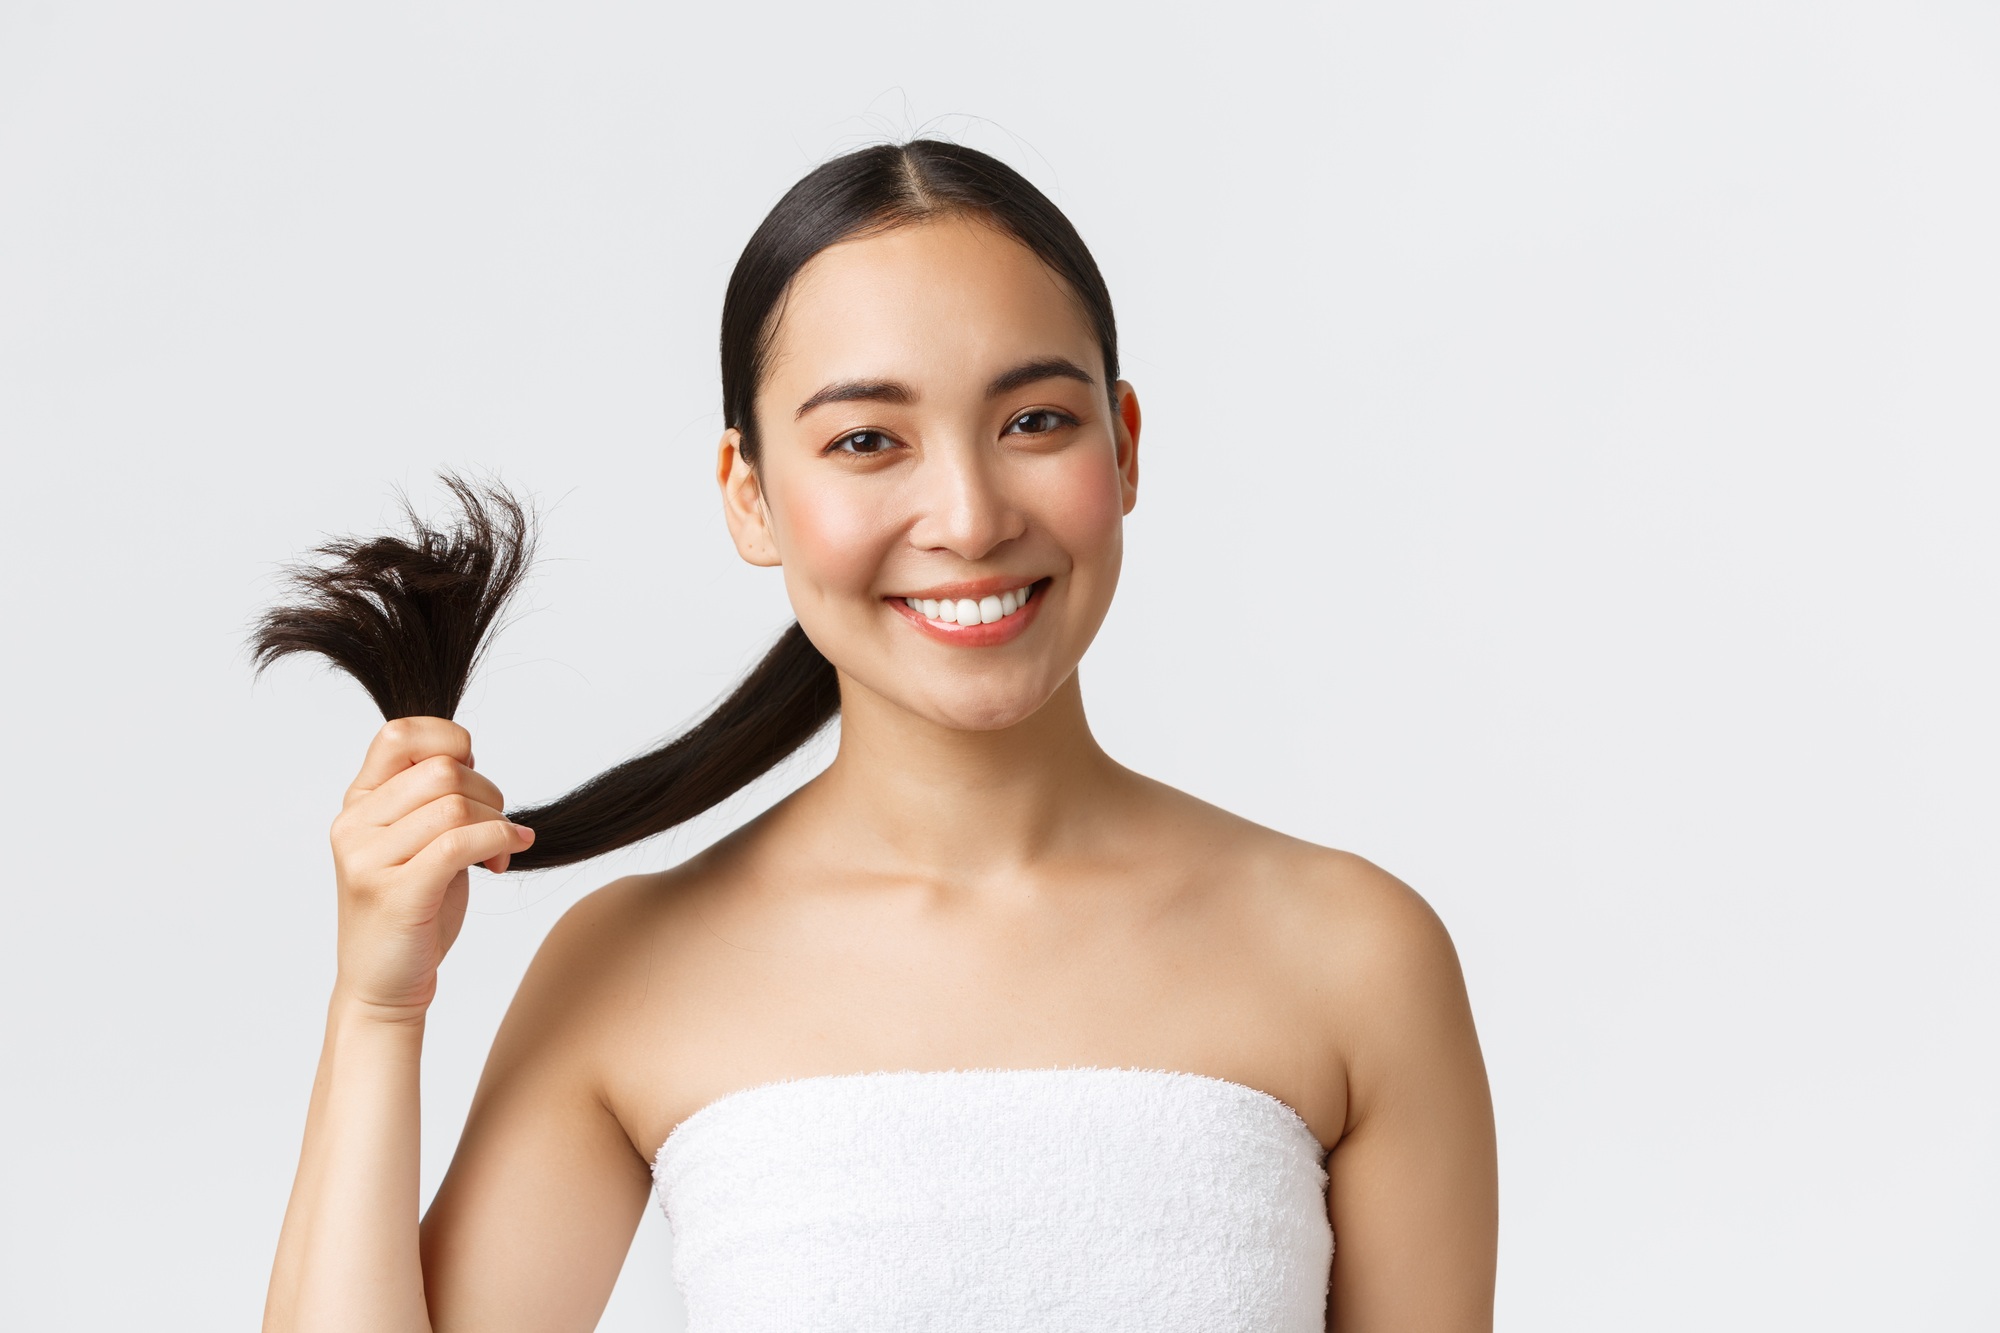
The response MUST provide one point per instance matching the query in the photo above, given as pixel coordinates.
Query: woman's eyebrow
(1051, 367)
(851, 391)
(895, 391)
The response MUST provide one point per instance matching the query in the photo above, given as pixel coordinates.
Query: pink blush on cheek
(834, 544)
(1083, 508)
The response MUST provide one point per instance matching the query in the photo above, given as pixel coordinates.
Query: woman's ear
(1127, 430)
(743, 505)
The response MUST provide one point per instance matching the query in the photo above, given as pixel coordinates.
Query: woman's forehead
(948, 299)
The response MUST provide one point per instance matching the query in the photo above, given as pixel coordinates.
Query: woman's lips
(986, 633)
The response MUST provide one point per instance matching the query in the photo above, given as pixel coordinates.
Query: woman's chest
(1196, 991)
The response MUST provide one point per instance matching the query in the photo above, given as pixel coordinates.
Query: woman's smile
(980, 613)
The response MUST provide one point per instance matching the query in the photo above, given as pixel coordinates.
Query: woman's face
(935, 427)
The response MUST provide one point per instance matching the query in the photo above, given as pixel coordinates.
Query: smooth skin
(972, 882)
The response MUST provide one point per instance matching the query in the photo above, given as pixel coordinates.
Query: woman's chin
(985, 720)
(958, 695)
(980, 707)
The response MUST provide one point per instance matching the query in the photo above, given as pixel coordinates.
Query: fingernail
(525, 831)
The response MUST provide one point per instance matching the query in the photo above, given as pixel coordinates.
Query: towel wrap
(998, 1200)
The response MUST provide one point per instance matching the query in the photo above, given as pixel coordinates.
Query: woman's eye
(1038, 422)
(862, 442)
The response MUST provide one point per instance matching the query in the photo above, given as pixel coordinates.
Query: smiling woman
(976, 1029)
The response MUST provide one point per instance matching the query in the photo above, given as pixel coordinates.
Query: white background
(1569, 481)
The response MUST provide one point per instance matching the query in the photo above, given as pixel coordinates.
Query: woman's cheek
(832, 541)
(1084, 508)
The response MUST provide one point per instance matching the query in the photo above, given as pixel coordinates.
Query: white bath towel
(1001, 1201)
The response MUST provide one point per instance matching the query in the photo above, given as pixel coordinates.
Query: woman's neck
(950, 805)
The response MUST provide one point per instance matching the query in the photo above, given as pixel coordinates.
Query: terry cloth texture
(1001, 1201)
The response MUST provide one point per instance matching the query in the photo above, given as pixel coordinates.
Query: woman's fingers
(417, 786)
(405, 741)
(403, 840)
(469, 844)
(414, 820)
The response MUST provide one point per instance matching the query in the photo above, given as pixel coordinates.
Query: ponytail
(780, 705)
(410, 617)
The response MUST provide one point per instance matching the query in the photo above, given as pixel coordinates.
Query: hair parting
(409, 616)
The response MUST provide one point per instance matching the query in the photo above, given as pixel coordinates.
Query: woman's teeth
(965, 611)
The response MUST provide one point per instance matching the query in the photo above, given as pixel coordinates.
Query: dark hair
(410, 616)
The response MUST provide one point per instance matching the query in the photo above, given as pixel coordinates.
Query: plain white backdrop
(1569, 481)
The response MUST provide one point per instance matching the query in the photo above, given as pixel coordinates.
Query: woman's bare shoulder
(632, 925)
(620, 983)
(1352, 922)
(1378, 962)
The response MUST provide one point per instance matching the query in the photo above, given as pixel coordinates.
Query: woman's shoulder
(621, 978)
(632, 958)
(1352, 958)
(1352, 922)
(629, 921)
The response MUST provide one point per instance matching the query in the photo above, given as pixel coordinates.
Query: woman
(977, 1029)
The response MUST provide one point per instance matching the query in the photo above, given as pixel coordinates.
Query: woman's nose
(967, 509)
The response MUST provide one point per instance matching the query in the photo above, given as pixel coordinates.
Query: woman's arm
(533, 1221)
(1413, 1193)
(349, 1257)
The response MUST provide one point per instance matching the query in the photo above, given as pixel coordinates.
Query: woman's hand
(413, 823)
